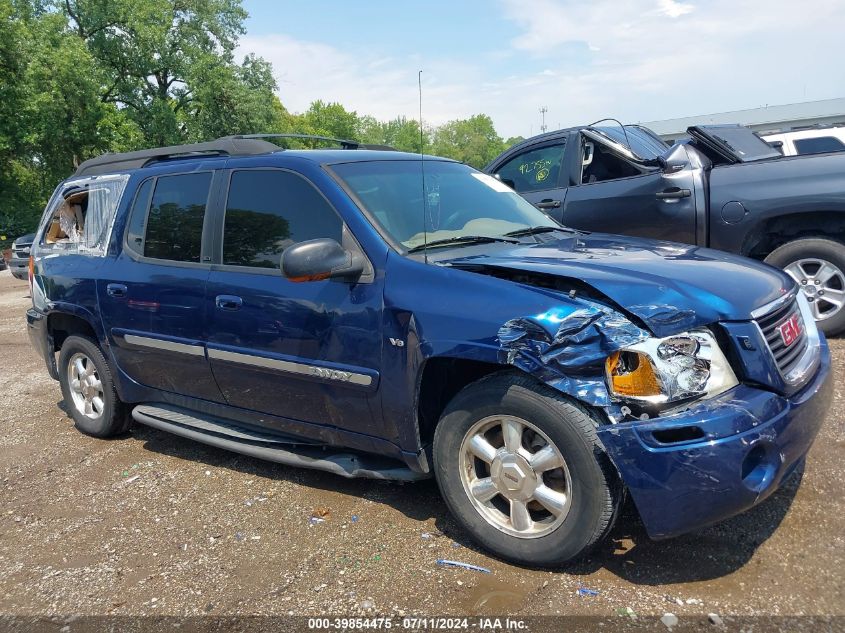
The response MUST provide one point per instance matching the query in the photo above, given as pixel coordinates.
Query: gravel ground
(153, 524)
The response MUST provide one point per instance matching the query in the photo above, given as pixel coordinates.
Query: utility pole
(543, 111)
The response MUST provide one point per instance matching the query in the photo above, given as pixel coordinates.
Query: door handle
(228, 302)
(674, 193)
(118, 291)
(548, 204)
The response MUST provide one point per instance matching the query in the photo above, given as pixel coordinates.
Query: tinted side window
(174, 225)
(820, 145)
(138, 216)
(267, 211)
(534, 170)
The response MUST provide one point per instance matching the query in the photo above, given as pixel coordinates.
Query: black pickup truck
(723, 187)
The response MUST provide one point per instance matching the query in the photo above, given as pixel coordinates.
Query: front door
(307, 351)
(616, 195)
(153, 296)
(538, 175)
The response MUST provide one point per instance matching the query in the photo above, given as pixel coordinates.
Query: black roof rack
(227, 146)
(237, 145)
(344, 144)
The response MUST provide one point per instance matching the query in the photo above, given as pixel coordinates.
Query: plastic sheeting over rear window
(79, 217)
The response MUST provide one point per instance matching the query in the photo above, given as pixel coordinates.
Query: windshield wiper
(534, 230)
(462, 239)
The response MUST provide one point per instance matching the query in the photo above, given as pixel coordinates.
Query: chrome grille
(785, 357)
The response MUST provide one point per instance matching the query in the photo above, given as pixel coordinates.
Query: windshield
(642, 143)
(459, 201)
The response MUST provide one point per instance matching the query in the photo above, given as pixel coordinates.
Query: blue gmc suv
(379, 314)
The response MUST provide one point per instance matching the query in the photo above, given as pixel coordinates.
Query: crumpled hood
(670, 287)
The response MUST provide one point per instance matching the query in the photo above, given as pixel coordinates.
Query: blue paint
(684, 487)
(501, 304)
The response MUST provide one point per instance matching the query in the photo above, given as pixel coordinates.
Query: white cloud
(638, 60)
(369, 83)
(650, 59)
(675, 9)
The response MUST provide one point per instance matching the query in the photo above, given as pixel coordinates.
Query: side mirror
(315, 260)
(661, 163)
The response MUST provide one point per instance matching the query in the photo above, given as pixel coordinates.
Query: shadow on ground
(706, 554)
(628, 552)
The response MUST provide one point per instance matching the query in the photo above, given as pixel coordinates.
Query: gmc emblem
(790, 330)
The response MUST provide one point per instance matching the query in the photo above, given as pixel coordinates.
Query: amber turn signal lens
(631, 374)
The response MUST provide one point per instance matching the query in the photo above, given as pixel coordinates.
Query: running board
(207, 423)
(275, 448)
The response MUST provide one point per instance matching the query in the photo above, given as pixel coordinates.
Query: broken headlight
(671, 369)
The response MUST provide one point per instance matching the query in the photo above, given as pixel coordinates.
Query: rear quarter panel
(769, 189)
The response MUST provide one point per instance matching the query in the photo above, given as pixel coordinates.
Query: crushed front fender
(566, 347)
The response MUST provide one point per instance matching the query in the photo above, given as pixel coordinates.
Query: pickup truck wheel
(88, 389)
(522, 469)
(818, 266)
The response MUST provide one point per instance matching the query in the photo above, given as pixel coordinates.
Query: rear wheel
(522, 469)
(818, 266)
(88, 389)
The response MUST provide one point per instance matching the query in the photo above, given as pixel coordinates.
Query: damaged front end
(692, 443)
(598, 355)
(567, 348)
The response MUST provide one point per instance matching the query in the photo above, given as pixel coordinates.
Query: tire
(91, 401)
(804, 260)
(587, 479)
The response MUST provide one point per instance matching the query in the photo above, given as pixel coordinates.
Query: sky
(635, 60)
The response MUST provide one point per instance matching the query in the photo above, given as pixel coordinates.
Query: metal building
(764, 120)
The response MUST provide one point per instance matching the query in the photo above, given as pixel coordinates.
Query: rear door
(152, 297)
(616, 193)
(305, 351)
(538, 174)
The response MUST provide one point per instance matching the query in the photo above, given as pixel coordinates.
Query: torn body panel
(567, 346)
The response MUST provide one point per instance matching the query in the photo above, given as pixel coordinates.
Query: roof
(227, 146)
(234, 146)
(361, 155)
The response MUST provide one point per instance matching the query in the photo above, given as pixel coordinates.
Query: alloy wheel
(86, 389)
(822, 283)
(515, 477)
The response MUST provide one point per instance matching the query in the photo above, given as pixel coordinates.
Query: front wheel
(523, 471)
(818, 266)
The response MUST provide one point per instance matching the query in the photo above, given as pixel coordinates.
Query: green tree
(473, 141)
(330, 119)
(400, 133)
(65, 112)
(51, 112)
(17, 175)
(230, 99)
(170, 64)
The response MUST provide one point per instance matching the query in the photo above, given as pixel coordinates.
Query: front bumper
(19, 267)
(720, 457)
